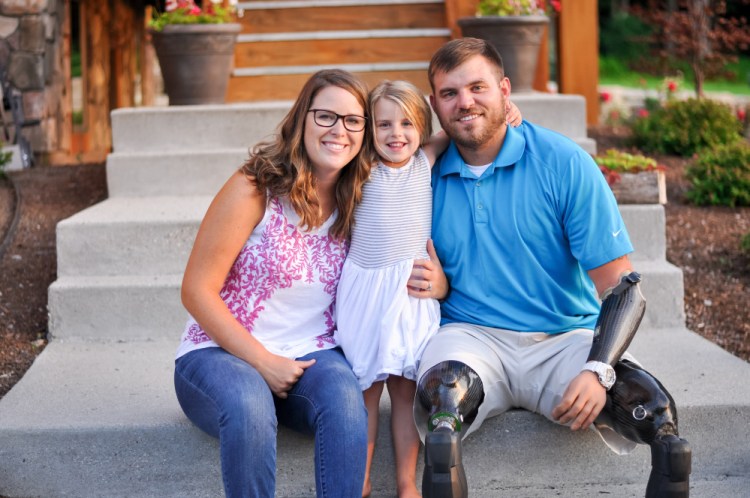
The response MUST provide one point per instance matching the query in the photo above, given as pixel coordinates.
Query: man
(528, 233)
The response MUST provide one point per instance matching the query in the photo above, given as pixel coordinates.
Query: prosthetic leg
(640, 409)
(450, 394)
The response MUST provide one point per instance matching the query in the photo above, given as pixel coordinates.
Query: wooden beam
(148, 61)
(578, 64)
(541, 78)
(96, 73)
(456, 9)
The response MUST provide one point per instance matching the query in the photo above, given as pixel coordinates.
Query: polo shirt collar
(510, 153)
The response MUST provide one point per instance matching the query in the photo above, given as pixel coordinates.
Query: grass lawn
(613, 71)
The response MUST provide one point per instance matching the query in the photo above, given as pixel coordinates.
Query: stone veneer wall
(31, 51)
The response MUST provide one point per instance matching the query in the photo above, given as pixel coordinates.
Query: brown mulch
(28, 263)
(703, 241)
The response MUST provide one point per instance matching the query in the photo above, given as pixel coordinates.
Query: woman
(260, 287)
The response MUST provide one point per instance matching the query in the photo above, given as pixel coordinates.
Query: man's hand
(582, 401)
(282, 373)
(427, 277)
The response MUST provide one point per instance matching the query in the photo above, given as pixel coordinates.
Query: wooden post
(66, 104)
(541, 78)
(97, 65)
(456, 9)
(578, 47)
(148, 59)
(123, 49)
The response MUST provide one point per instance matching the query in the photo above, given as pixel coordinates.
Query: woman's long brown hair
(282, 167)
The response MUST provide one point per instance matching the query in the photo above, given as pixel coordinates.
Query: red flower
(671, 86)
(605, 96)
(741, 114)
(642, 113)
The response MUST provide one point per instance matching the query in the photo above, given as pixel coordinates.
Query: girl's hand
(282, 373)
(512, 114)
(427, 277)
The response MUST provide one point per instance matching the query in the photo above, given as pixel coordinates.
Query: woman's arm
(234, 213)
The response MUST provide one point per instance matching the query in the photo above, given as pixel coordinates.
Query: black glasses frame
(342, 117)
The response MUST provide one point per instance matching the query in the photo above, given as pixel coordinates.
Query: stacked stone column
(31, 53)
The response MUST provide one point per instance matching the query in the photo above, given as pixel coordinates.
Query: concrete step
(154, 235)
(130, 236)
(241, 125)
(120, 262)
(116, 308)
(180, 173)
(141, 307)
(211, 127)
(100, 418)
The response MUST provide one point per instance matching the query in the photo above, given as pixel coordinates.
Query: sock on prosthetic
(450, 392)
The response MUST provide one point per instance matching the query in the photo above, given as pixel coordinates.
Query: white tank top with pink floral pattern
(282, 286)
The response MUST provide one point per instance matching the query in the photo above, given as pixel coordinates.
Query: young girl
(381, 328)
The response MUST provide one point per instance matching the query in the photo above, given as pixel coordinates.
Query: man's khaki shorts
(528, 370)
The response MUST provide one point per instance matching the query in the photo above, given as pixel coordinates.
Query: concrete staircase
(96, 415)
(284, 41)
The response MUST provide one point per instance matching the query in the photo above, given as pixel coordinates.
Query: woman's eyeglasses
(327, 119)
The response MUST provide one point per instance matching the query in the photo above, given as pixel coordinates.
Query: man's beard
(476, 135)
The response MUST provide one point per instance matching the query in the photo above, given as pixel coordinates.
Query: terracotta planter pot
(196, 61)
(517, 38)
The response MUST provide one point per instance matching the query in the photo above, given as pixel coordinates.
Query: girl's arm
(233, 215)
(512, 114)
(436, 146)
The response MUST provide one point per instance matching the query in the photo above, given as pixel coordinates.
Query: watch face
(609, 376)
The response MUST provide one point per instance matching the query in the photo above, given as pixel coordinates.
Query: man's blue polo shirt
(516, 243)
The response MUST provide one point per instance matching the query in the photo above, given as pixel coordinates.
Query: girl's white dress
(382, 329)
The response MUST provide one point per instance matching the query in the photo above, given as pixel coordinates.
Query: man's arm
(585, 396)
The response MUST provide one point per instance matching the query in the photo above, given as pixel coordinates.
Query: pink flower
(671, 86)
(642, 113)
(195, 11)
(605, 96)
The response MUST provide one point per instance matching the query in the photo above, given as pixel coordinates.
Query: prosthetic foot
(444, 475)
(642, 410)
(670, 468)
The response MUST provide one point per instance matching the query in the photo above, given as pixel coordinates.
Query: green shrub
(721, 176)
(745, 243)
(683, 127)
(625, 37)
(5, 158)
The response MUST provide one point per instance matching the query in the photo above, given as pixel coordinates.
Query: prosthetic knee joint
(449, 394)
(642, 410)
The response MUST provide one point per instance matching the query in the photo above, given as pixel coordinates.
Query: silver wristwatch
(603, 371)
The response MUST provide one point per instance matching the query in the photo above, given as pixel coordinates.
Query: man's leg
(451, 401)
(451, 393)
(640, 409)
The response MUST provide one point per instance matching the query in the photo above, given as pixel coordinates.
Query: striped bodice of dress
(394, 220)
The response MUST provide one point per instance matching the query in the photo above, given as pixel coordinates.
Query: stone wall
(31, 51)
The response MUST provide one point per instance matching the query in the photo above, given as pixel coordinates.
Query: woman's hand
(282, 373)
(427, 277)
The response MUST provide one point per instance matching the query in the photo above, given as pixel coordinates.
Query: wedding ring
(429, 286)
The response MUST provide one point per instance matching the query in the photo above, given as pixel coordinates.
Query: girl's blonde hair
(281, 167)
(412, 102)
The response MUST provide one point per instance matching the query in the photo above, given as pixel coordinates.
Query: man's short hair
(456, 52)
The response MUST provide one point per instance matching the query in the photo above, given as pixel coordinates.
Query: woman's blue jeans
(227, 398)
